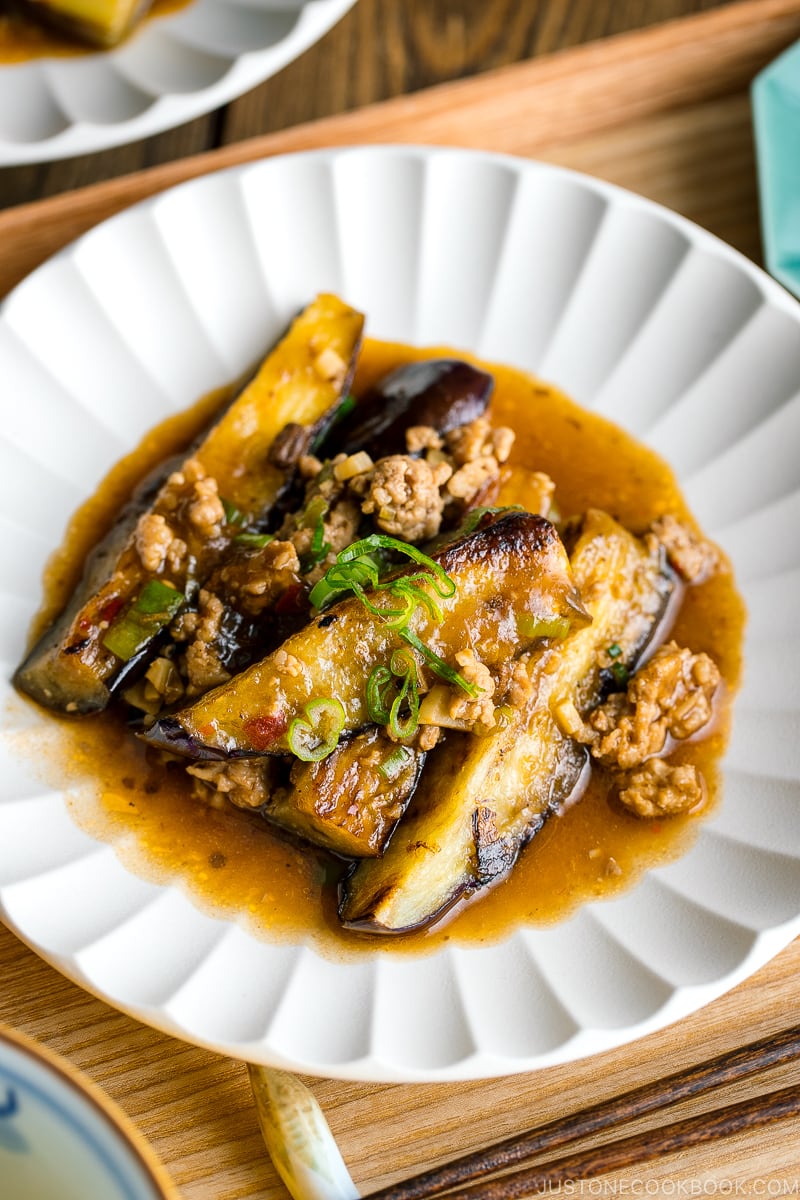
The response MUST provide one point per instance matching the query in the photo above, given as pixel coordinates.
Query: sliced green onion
(317, 736)
(312, 514)
(341, 578)
(258, 540)
(475, 515)
(345, 408)
(395, 763)
(233, 515)
(153, 608)
(379, 679)
(438, 665)
(614, 650)
(404, 727)
(542, 627)
(620, 673)
(381, 541)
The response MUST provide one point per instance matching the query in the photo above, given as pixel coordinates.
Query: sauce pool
(235, 865)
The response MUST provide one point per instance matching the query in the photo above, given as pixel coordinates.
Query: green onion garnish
(614, 650)
(475, 515)
(355, 568)
(312, 514)
(391, 689)
(542, 627)
(438, 665)
(258, 540)
(395, 763)
(620, 673)
(233, 515)
(379, 679)
(317, 736)
(153, 608)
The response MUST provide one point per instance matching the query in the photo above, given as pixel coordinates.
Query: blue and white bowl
(61, 1138)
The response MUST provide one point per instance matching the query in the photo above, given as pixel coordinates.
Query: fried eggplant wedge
(481, 799)
(350, 801)
(176, 530)
(510, 585)
(444, 393)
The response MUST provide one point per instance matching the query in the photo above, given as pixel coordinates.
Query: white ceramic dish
(61, 1136)
(632, 311)
(173, 69)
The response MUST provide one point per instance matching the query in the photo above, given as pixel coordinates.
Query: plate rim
(169, 110)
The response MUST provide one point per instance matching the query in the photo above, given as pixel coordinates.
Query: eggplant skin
(442, 392)
(481, 799)
(508, 577)
(70, 669)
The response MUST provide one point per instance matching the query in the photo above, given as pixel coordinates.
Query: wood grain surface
(664, 111)
(380, 49)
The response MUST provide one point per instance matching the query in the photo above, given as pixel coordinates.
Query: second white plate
(171, 70)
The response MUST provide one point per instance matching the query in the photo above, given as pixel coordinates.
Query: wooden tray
(664, 112)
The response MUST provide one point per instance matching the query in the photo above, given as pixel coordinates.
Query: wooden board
(666, 113)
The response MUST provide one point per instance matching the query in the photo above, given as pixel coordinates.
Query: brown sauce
(234, 864)
(23, 38)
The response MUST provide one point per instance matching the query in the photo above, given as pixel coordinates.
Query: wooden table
(664, 112)
(390, 48)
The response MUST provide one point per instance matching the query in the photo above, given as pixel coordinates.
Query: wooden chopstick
(730, 1067)
(640, 1148)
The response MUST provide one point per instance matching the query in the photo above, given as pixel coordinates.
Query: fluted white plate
(637, 314)
(172, 69)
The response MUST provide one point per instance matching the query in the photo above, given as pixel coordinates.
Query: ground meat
(478, 709)
(427, 737)
(157, 545)
(692, 557)
(422, 437)
(341, 524)
(206, 511)
(243, 781)
(473, 476)
(287, 664)
(309, 466)
(201, 663)
(479, 440)
(404, 496)
(671, 695)
(253, 581)
(662, 789)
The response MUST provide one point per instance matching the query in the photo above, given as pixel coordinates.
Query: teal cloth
(776, 116)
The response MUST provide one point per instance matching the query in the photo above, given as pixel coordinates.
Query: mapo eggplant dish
(360, 610)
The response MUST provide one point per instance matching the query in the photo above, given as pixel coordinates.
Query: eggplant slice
(481, 799)
(512, 580)
(351, 801)
(127, 597)
(444, 393)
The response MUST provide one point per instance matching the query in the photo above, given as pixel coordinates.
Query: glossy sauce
(234, 864)
(22, 38)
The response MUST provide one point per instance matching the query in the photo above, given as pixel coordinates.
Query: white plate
(632, 311)
(173, 69)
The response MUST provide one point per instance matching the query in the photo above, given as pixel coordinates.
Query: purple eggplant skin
(445, 393)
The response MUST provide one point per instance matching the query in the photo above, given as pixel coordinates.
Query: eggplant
(129, 594)
(101, 23)
(442, 392)
(512, 586)
(481, 799)
(350, 801)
